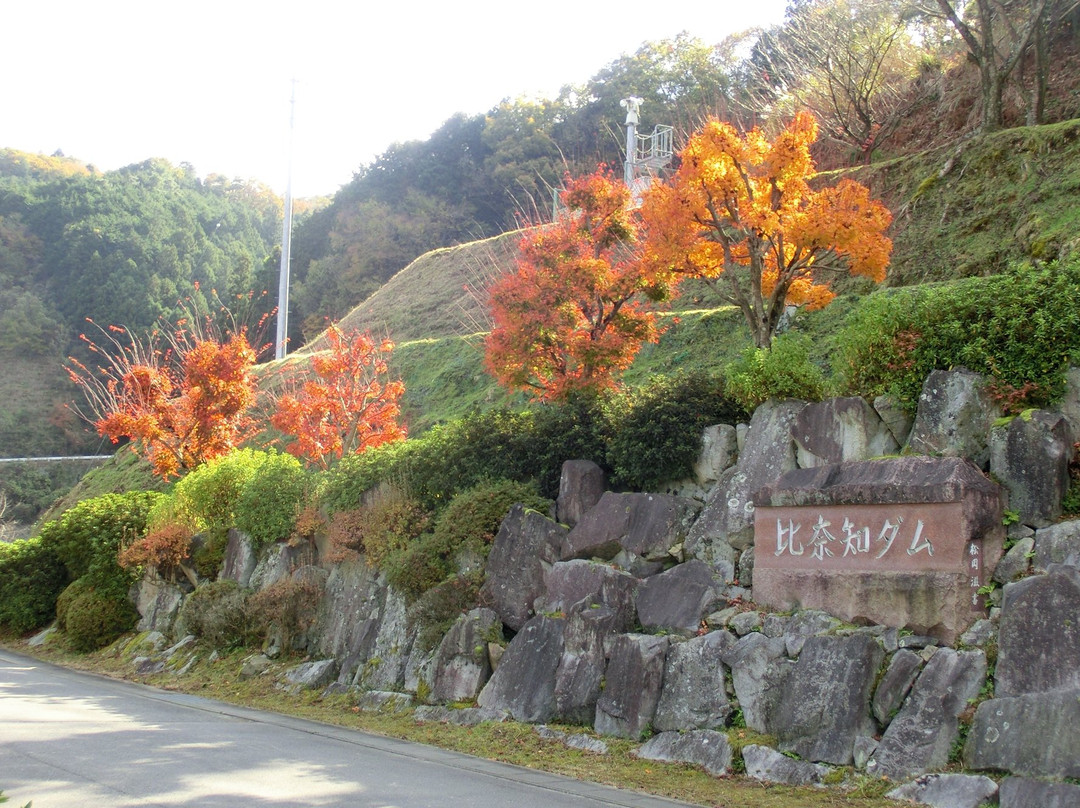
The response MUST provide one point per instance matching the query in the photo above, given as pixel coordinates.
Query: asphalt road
(72, 740)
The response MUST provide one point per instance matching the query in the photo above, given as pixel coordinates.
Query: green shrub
(473, 517)
(271, 498)
(288, 607)
(343, 486)
(579, 428)
(385, 525)
(31, 578)
(659, 436)
(1022, 328)
(91, 618)
(210, 493)
(219, 613)
(421, 566)
(783, 371)
(437, 609)
(88, 538)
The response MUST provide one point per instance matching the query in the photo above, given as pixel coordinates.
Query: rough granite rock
(647, 525)
(1031, 736)
(948, 791)
(240, 558)
(524, 684)
(920, 737)
(462, 666)
(1057, 544)
(158, 602)
(954, 417)
(569, 582)
(1016, 562)
(1039, 634)
(825, 703)
(525, 546)
(839, 430)
(1019, 792)
(1030, 457)
(349, 616)
(580, 674)
(759, 673)
(895, 418)
(393, 646)
(700, 747)
(310, 675)
(635, 672)
(693, 695)
(675, 601)
(726, 523)
(894, 685)
(766, 764)
(804, 625)
(581, 485)
(719, 452)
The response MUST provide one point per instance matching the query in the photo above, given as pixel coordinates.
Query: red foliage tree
(182, 396)
(573, 313)
(346, 404)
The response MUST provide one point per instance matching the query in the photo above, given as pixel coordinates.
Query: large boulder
(581, 485)
(240, 558)
(579, 677)
(693, 695)
(759, 674)
(921, 735)
(839, 430)
(1057, 544)
(719, 452)
(632, 686)
(1032, 736)
(158, 602)
(569, 582)
(350, 612)
(727, 521)
(700, 747)
(394, 637)
(895, 684)
(646, 525)
(1030, 457)
(525, 546)
(766, 764)
(824, 706)
(1020, 792)
(461, 666)
(1039, 636)
(954, 417)
(524, 683)
(676, 601)
(947, 791)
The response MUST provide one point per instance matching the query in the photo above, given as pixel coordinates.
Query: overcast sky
(115, 82)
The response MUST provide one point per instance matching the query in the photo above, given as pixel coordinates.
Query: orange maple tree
(180, 395)
(740, 213)
(345, 404)
(572, 313)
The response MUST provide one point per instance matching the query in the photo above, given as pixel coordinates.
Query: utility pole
(286, 245)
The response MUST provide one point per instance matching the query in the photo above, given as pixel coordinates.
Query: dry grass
(513, 743)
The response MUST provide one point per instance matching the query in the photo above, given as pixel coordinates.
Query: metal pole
(632, 105)
(286, 246)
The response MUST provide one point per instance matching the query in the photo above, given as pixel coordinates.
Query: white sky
(114, 82)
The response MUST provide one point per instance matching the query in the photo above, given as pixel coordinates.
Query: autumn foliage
(571, 316)
(740, 213)
(346, 404)
(182, 397)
